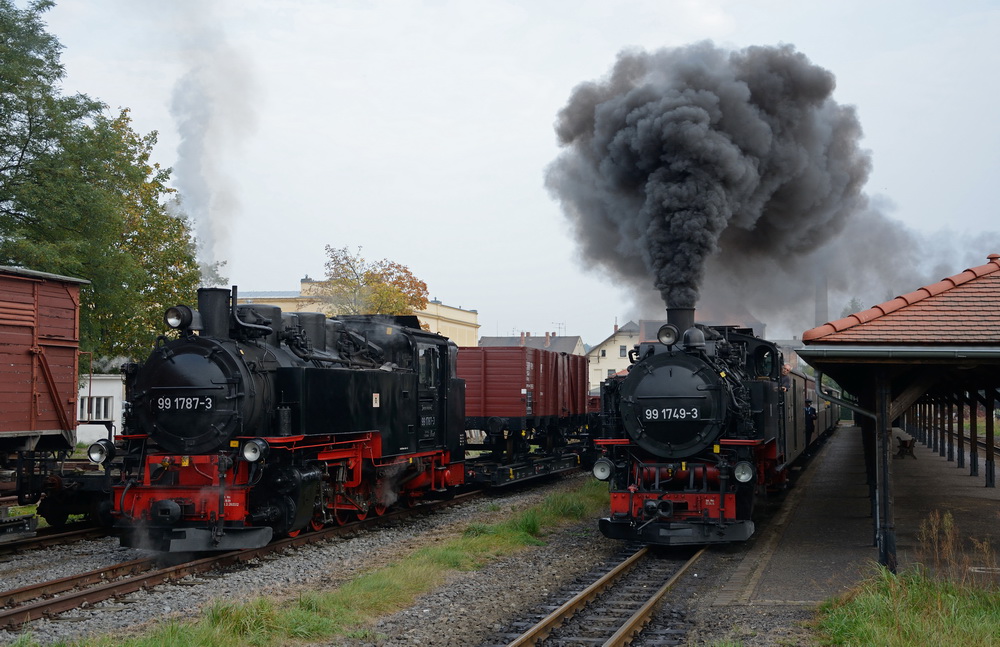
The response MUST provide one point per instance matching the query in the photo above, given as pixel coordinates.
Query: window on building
(611, 372)
(623, 351)
(95, 408)
(604, 352)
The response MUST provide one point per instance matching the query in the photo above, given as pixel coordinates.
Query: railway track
(47, 599)
(614, 608)
(52, 537)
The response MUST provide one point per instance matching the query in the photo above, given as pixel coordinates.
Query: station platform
(821, 542)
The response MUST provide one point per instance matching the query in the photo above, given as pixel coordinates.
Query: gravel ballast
(467, 610)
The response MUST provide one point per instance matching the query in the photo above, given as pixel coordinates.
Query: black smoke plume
(681, 153)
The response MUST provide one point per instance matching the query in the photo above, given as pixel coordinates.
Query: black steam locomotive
(701, 424)
(254, 423)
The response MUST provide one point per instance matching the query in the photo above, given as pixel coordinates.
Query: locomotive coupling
(658, 508)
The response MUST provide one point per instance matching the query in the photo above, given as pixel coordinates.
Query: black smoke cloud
(682, 153)
(730, 178)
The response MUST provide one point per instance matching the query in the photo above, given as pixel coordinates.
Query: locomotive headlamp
(178, 317)
(743, 471)
(668, 334)
(101, 451)
(255, 450)
(603, 468)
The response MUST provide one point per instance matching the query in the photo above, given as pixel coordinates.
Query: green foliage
(80, 197)
(356, 286)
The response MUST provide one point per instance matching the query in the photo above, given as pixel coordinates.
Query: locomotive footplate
(195, 540)
(494, 474)
(677, 533)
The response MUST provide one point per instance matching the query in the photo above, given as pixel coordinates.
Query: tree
(853, 306)
(79, 196)
(356, 286)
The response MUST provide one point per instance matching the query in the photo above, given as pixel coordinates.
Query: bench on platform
(905, 447)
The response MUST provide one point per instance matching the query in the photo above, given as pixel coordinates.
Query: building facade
(611, 355)
(99, 403)
(457, 324)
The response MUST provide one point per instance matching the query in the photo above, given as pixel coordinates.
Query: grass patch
(912, 609)
(321, 614)
(941, 601)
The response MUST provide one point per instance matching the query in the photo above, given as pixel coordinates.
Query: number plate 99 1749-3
(670, 413)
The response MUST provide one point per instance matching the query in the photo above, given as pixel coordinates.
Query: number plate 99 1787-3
(183, 403)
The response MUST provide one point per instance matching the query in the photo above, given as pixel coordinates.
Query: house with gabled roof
(611, 355)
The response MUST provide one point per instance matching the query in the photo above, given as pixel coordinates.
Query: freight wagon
(525, 412)
(39, 346)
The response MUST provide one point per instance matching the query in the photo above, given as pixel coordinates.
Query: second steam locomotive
(702, 423)
(252, 424)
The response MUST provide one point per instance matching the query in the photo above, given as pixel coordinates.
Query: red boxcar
(522, 388)
(525, 412)
(39, 342)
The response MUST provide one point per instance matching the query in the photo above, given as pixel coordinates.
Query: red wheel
(341, 516)
(364, 496)
(316, 523)
(295, 533)
(377, 505)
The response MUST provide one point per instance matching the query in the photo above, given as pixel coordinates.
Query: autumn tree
(79, 196)
(356, 286)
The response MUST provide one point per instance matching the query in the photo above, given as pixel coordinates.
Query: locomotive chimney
(213, 304)
(683, 318)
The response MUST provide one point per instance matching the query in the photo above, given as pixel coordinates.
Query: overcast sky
(421, 131)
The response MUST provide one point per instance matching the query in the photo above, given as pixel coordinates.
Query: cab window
(764, 362)
(428, 369)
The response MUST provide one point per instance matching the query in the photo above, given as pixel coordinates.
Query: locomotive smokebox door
(673, 406)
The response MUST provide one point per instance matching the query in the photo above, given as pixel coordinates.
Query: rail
(628, 629)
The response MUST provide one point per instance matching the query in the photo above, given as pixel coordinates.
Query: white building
(611, 355)
(99, 402)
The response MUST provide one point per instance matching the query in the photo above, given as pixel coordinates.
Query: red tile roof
(961, 309)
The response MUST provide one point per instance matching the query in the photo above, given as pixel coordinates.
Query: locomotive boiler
(699, 426)
(251, 423)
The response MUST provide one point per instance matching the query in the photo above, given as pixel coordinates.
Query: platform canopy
(939, 343)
